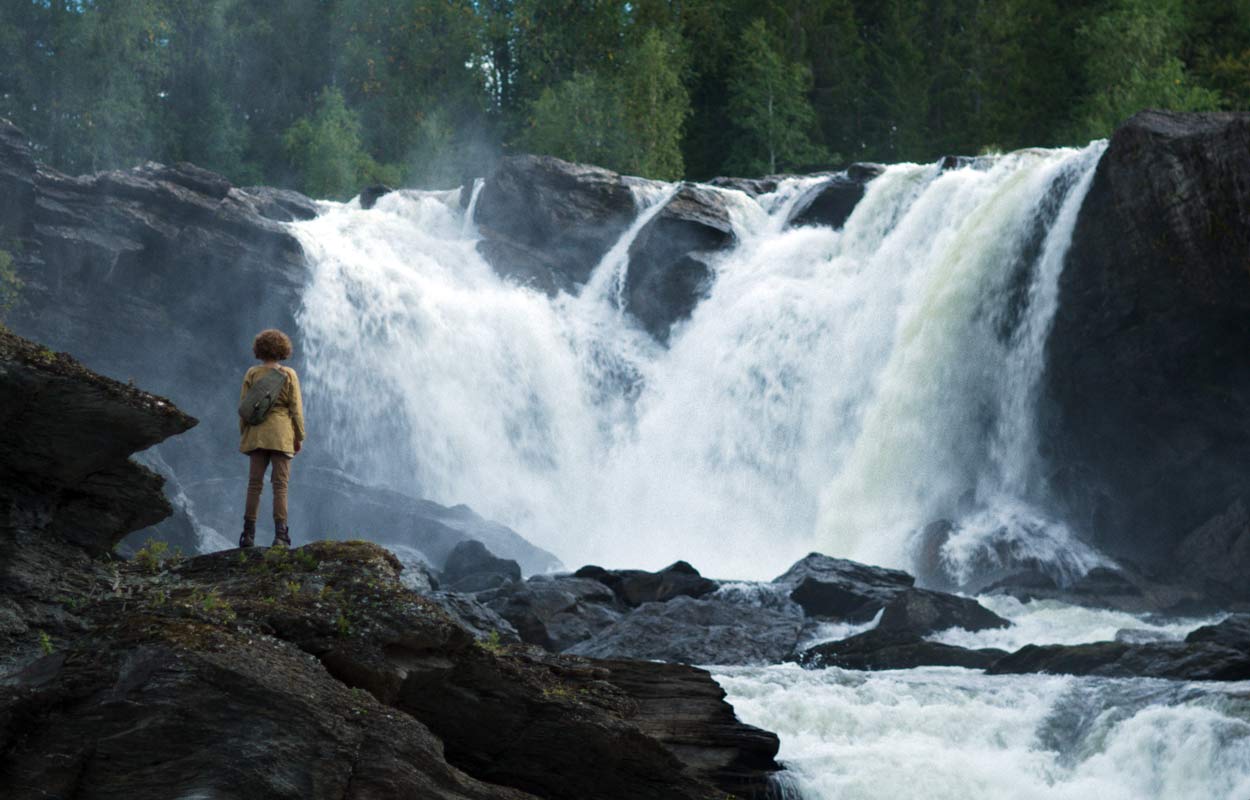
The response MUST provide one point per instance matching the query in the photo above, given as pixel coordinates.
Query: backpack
(260, 398)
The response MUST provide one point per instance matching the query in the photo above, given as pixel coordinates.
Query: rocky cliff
(1148, 375)
(275, 673)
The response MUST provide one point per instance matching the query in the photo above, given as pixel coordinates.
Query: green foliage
(151, 556)
(329, 96)
(1131, 62)
(492, 643)
(10, 285)
(578, 120)
(325, 148)
(769, 107)
(45, 643)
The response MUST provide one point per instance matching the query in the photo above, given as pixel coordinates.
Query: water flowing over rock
(1148, 381)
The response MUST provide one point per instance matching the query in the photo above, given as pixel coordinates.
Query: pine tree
(769, 109)
(326, 150)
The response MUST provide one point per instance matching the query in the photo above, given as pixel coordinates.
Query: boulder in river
(879, 649)
(635, 586)
(831, 203)
(548, 221)
(555, 612)
(668, 259)
(836, 587)
(922, 612)
(708, 630)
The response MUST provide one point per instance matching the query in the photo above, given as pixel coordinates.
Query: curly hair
(271, 345)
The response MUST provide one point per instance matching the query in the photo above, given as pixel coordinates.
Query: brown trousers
(281, 475)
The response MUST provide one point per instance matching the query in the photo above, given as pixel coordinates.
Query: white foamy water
(1053, 622)
(953, 734)
(834, 391)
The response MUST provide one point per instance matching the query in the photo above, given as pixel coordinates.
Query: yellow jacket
(283, 426)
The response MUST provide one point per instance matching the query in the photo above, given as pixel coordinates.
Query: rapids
(834, 391)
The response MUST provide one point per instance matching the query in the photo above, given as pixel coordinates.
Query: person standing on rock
(271, 428)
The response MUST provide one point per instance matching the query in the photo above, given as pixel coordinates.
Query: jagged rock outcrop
(66, 436)
(547, 223)
(922, 612)
(472, 568)
(320, 654)
(842, 589)
(1147, 420)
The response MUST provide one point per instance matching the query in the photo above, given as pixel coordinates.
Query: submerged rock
(879, 649)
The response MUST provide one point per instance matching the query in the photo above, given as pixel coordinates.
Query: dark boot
(248, 537)
(281, 535)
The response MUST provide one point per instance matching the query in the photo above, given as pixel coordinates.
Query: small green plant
(293, 588)
(242, 557)
(492, 642)
(46, 356)
(160, 597)
(558, 692)
(343, 625)
(151, 555)
(45, 643)
(10, 285)
(212, 604)
(307, 560)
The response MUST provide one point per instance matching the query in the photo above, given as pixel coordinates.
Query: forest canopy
(327, 95)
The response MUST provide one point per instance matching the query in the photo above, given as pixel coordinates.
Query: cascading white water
(835, 390)
(955, 734)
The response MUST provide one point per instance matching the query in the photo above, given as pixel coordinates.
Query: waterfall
(835, 391)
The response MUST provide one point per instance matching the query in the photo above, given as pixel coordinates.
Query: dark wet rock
(921, 612)
(555, 612)
(680, 707)
(66, 436)
(1140, 636)
(635, 586)
(842, 589)
(668, 260)
(471, 567)
(1121, 588)
(475, 617)
(879, 649)
(558, 216)
(1197, 661)
(708, 630)
(313, 673)
(1232, 632)
(1147, 414)
(370, 195)
(281, 205)
(752, 187)
(831, 203)
(1215, 558)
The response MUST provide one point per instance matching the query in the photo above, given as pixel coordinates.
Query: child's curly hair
(271, 345)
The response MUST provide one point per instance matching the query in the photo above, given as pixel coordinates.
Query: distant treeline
(325, 95)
